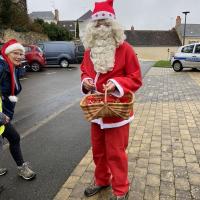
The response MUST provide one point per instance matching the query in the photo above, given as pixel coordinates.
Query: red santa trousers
(109, 154)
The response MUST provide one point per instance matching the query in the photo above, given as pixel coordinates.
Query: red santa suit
(109, 136)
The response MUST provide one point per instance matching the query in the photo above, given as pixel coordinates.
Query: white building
(47, 16)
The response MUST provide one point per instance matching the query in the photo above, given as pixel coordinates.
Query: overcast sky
(142, 14)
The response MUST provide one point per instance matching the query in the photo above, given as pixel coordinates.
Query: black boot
(94, 189)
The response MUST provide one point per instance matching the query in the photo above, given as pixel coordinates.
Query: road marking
(44, 121)
(49, 73)
(21, 79)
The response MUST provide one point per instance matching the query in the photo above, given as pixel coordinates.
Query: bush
(54, 32)
(36, 27)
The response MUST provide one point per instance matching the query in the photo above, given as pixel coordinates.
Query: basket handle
(105, 97)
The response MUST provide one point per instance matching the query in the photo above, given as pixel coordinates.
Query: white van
(187, 56)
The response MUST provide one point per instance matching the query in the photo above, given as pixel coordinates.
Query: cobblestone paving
(164, 143)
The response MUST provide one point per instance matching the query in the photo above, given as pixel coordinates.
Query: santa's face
(103, 48)
(102, 37)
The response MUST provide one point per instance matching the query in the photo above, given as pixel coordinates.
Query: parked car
(35, 57)
(62, 53)
(187, 56)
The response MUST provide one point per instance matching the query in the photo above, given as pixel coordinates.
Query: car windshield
(39, 50)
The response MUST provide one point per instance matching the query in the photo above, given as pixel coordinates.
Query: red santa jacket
(126, 75)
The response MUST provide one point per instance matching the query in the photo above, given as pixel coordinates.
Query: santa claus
(109, 64)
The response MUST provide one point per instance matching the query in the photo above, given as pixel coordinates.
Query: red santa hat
(103, 10)
(7, 48)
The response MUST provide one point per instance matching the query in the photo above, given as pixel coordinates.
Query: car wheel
(64, 63)
(177, 66)
(35, 67)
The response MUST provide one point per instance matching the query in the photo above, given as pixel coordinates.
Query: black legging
(14, 141)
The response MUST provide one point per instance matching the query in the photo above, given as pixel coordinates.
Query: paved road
(54, 135)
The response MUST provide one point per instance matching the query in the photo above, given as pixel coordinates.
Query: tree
(13, 16)
(5, 13)
(54, 31)
(77, 30)
(19, 18)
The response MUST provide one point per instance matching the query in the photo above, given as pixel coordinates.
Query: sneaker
(94, 189)
(25, 172)
(3, 171)
(125, 197)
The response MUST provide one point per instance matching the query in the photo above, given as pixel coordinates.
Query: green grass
(162, 63)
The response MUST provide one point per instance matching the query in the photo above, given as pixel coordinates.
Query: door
(79, 53)
(187, 56)
(196, 55)
(52, 52)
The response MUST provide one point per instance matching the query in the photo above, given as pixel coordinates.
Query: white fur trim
(96, 78)
(103, 15)
(112, 125)
(83, 82)
(13, 98)
(13, 47)
(119, 92)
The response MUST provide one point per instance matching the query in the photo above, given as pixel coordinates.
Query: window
(27, 49)
(38, 50)
(81, 48)
(188, 49)
(59, 47)
(197, 49)
(41, 46)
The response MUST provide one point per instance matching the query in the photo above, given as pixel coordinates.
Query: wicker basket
(104, 105)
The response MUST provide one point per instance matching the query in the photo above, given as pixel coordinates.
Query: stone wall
(155, 53)
(25, 38)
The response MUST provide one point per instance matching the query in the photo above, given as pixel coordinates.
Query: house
(47, 16)
(153, 45)
(83, 21)
(192, 31)
(70, 25)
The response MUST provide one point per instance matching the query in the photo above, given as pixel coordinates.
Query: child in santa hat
(12, 54)
(109, 64)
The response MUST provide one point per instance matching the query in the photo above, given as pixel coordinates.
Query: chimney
(178, 21)
(57, 15)
(132, 28)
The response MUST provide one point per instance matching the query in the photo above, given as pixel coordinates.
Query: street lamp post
(185, 13)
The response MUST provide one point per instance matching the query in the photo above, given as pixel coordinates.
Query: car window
(197, 49)
(58, 47)
(0, 48)
(81, 48)
(187, 49)
(38, 49)
(1, 44)
(41, 46)
(27, 49)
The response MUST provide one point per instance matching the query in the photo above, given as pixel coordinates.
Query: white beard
(103, 50)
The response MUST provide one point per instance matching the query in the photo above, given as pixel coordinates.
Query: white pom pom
(13, 98)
